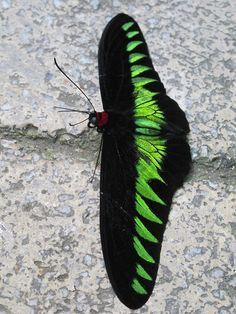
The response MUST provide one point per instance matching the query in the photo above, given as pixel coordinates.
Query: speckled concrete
(50, 254)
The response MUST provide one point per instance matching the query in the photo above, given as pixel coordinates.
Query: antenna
(80, 89)
(64, 109)
(74, 124)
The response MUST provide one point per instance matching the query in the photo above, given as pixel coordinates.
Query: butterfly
(145, 158)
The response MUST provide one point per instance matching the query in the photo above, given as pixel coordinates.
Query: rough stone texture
(50, 255)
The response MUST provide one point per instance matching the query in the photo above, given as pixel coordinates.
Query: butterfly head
(92, 120)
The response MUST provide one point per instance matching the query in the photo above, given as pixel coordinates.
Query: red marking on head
(102, 119)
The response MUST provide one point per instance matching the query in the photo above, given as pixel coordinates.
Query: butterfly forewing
(145, 158)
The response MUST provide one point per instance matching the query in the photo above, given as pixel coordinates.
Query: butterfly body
(145, 158)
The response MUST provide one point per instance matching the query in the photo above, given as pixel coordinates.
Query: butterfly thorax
(118, 122)
(98, 120)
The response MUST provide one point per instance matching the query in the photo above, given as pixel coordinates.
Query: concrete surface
(50, 254)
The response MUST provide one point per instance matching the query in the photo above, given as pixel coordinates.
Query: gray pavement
(50, 254)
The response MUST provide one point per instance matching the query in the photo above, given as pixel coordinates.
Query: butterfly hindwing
(145, 158)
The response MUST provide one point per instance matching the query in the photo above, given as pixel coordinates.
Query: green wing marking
(127, 25)
(142, 96)
(133, 57)
(144, 210)
(132, 34)
(138, 69)
(136, 285)
(133, 44)
(143, 231)
(141, 251)
(142, 272)
(141, 81)
(145, 190)
(151, 149)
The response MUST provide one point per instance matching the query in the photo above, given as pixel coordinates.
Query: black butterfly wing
(145, 158)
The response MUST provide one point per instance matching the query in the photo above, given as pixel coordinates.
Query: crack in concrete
(31, 133)
(221, 167)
